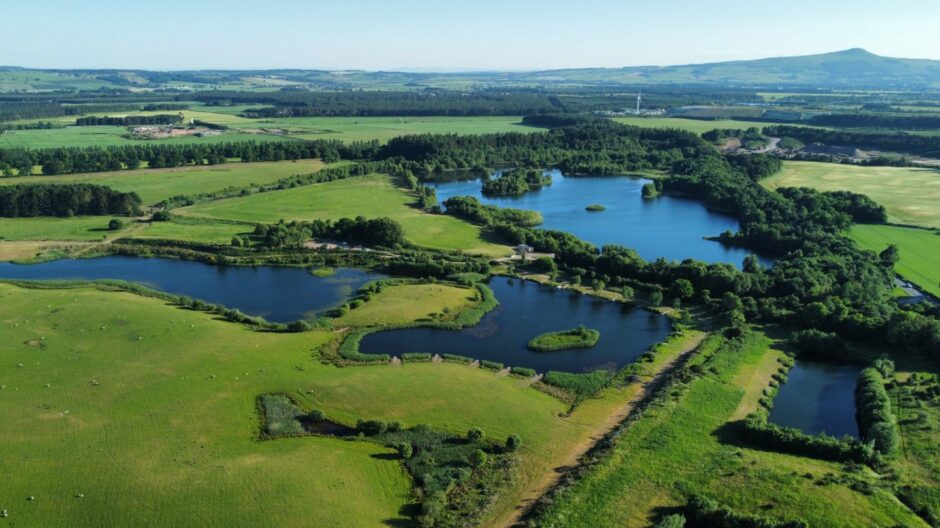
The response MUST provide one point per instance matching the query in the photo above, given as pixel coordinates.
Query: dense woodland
(895, 121)
(381, 232)
(159, 119)
(65, 200)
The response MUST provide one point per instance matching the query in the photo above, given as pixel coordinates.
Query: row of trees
(158, 119)
(896, 121)
(110, 158)
(884, 141)
(381, 232)
(27, 200)
(876, 421)
(469, 208)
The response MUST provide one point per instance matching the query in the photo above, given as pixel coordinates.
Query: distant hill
(850, 68)
(853, 68)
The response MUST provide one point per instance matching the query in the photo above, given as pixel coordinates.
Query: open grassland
(384, 128)
(103, 136)
(684, 446)
(402, 304)
(148, 411)
(920, 251)
(375, 194)
(154, 185)
(917, 407)
(911, 195)
(53, 228)
(207, 232)
(697, 126)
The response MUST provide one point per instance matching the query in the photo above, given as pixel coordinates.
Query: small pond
(527, 309)
(279, 294)
(818, 397)
(667, 226)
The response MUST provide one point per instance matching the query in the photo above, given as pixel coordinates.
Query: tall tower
(639, 96)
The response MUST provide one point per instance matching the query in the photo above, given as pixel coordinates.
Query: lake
(527, 309)
(668, 227)
(818, 397)
(279, 294)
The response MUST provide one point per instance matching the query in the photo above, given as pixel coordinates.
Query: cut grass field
(680, 447)
(374, 194)
(697, 126)
(154, 185)
(54, 228)
(148, 412)
(920, 251)
(102, 136)
(911, 195)
(402, 304)
(385, 128)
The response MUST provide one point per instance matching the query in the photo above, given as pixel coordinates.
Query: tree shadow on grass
(385, 456)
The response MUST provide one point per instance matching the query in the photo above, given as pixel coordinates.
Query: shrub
(115, 225)
(475, 434)
(477, 458)
(316, 415)
(513, 442)
(492, 365)
(414, 357)
(675, 520)
(405, 450)
(523, 371)
(371, 427)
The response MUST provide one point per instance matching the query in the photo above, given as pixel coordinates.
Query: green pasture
(154, 185)
(376, 195)
(119, 409)
(683, 445)
(911, 195)
(402, 304)
(920, 251)
(87, 228)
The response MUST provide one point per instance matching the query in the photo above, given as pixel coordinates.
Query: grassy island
(579, 337)
(595, 208)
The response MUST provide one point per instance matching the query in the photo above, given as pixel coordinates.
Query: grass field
(154, 185)
(346, 198)
(697, 126)
(402, 304)
(911, 195)
(148, 411)
(675, 449)
(920, 251)
(102, 136)
(385, 128)
(53, 228)
(244, 129)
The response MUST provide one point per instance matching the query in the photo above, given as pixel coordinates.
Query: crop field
(105, 377)
(347, 198)
(649, 470)
(911, 195)
(920, 251)
(154, 185)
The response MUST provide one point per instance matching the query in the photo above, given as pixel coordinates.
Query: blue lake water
(818, 397)
(278, 294)
(668, 227)
(526, 310)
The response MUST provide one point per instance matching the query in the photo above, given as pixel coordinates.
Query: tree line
(884, 141)
(903, 122)
(380, 232)
(28, 200)
(158, 119)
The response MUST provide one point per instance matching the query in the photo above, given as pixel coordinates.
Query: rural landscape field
(482, 265)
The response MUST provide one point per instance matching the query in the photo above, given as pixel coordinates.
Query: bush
(316, 415)
(523, 371)
(675, 520)
(457, 359)
(405, 450)
(115, 225)
(706, 512)
(371, 427)
(475, 434)
(513, 442)
(415, 357)
(477, 458)
(875, 418)
(790, 440)
(492, 365)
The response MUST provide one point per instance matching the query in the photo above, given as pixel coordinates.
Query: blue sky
(451, 35)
